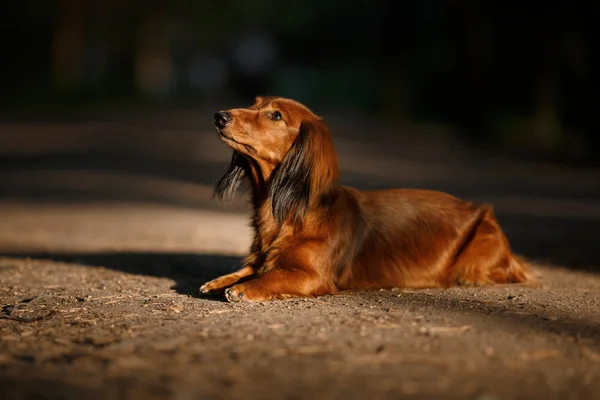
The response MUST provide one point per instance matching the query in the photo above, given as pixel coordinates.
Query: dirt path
(104, 309)
(100, 266)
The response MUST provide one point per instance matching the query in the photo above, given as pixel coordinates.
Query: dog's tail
(520, 270)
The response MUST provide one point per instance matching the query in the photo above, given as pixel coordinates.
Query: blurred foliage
(501, 72)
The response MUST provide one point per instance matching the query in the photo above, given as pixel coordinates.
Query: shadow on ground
(189, 271)
(511, 313)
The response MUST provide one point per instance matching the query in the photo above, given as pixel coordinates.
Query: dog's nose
(222, 119)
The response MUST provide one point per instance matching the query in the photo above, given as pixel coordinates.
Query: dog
(313, 236)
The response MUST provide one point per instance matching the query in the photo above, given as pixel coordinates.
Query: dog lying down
(313, 236)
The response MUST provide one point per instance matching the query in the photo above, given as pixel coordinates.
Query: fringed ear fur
(227, 186)
(309, 170)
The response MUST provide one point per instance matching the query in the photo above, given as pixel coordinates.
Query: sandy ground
(100, 262)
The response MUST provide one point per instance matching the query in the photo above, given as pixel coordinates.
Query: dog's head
(284, 149)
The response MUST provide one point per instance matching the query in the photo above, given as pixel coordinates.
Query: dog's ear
(308, 171)
(227, 186)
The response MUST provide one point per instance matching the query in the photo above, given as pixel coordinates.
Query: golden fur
(315, 237)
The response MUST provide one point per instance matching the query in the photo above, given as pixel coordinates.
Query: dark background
(508, 74)
(491, 101)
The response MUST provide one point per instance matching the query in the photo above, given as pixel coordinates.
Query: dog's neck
(266, 225)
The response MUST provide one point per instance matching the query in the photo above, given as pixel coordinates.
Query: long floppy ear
(227, 186)
(308, 171)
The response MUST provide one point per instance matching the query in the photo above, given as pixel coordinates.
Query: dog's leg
(280, 283)
(486, 257)
(225, 281)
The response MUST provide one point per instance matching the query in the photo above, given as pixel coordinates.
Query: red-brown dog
(315, 237)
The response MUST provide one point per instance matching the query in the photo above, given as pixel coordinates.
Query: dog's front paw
(213, 287)
(233, 295)
(246, 292)
(205, 289)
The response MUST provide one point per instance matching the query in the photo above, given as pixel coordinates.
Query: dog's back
(422, 238)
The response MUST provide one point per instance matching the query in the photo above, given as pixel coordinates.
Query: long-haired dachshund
(315, 237)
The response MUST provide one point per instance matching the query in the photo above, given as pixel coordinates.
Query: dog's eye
(276, 116)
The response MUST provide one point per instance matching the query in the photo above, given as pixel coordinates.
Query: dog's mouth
(228, 139)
